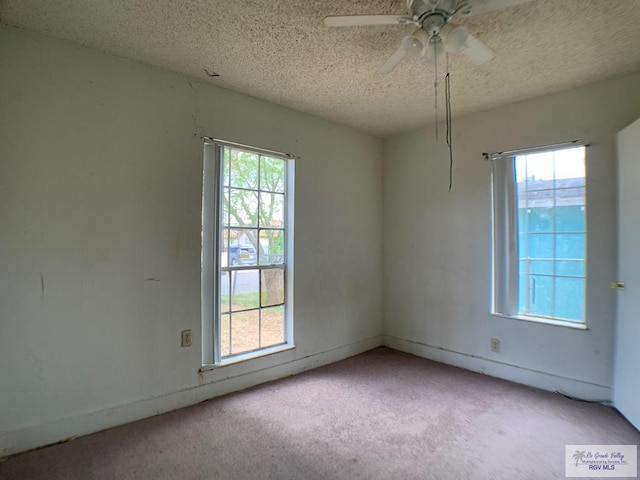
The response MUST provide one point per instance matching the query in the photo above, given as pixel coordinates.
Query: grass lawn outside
(243, 331)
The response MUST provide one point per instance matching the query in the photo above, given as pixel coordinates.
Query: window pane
(569, 164)
(272, 174)
(224, 218)
(244, 169)
(570, 195)
(522, 219)
(241, 249)
(571, 218)
(272, 247)
(540, 245)
(520, 167)
(570, 267)
(244, 290)
(225, 166)
(225, 334)
(245, 331)
(243, 207)
(524, 303)
(570, 245)
(272, 287)
(540, 266)
(539, 219)
(569, 301)
(523, 245)
(271, 210)
(535, 172)
(272, 326)
(224, 292)
(540, 291)
(224, 249)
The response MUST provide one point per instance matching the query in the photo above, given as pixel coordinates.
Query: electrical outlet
(186, 338)
(495, 345)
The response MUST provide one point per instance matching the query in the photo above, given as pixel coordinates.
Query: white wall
(437, 245)
(100, 190)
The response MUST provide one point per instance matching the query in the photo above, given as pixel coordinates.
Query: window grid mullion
(577, 232)
(259, 254)
(528, 286)
(552, 189)
(285, 253)
(231, 274)
(555, 239)
(222, 235)
(260, 190)
(556, 275)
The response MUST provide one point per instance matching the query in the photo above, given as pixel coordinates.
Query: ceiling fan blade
(478, 7)
(391, 62)
(361, 20)
(477, 51)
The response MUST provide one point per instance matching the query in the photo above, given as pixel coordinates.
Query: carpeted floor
(380, 415)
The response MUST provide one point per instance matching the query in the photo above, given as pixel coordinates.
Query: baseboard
(545, 381)
(16, 441)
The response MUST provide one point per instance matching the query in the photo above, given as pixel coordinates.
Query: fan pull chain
(448, 121)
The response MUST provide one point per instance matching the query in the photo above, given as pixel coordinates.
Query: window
(247, 251)
(539, 213)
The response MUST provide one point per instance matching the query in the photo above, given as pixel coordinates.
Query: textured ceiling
(280, 51)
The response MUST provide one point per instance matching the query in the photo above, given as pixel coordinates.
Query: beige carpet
(380, 415)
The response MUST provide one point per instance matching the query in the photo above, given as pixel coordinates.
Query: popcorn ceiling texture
(280, 51)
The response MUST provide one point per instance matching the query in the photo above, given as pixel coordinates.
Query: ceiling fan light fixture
(412, 46)
(436, 52)
(454, 38)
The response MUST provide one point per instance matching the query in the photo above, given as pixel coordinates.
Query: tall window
(247, 252)
(540, 234)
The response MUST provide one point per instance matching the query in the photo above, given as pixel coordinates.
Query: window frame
(212, 228)
(505, 258)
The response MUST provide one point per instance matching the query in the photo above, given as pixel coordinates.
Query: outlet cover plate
(186, 338)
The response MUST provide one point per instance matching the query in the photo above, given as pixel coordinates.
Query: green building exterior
(552, 248)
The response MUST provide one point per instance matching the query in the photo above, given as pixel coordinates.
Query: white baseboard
(545, 381)
(15, 441)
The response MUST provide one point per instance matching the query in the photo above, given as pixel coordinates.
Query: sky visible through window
(559, 164)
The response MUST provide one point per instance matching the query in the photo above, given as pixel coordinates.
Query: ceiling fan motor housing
(432, 14)
(432, 23)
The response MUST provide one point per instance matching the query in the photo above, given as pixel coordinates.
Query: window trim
(504, 216)
(210, 253)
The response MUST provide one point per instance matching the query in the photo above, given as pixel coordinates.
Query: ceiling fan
(435, 36)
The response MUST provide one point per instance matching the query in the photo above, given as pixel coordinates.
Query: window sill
(248, 356)
(544, 320)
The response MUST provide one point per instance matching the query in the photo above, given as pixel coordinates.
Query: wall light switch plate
(186, 338)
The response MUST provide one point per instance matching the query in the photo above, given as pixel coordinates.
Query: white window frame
(505, 237)
(211, 245)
